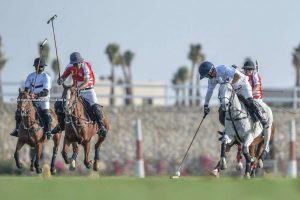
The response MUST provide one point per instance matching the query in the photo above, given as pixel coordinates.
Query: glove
(206, 109)
(60, 81)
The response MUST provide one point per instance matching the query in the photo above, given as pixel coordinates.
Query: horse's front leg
(65, 149)
(56, 140)
(239, 157)
(86, 147)
(97, 153)
(227, 141)
(74, 156)
(33, 157)
(38, 150)
(16, 154)
(248, 140)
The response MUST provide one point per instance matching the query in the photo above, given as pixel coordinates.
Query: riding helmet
(75, 57)
(204, 68)
(39, 62)
(249, 65)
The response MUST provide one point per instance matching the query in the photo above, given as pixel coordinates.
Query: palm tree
(54, 67)
(195, 57)
(183, 76)
(296, 63)
(198, 93)
(126, 61)
(2, 63)
(45, 53)
(112, 51)
(175, 82)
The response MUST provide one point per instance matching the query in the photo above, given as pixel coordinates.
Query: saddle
(89, 110)
(39, 114)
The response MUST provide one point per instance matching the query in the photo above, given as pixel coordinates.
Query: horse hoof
(38, 170)
(96, 165)
(223, 164)
(239, 166)
(247, 175)
(20, 165)
(32, 168)
(53, 171)
(88, 164)
(260, 163)
(72, 165)
(215, 173)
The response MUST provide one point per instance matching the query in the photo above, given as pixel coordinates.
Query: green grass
(154, 188)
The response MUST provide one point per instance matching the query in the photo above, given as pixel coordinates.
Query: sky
(159, 32)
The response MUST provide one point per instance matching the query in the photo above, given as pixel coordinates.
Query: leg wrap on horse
(253, 106)
(18, 119)
(59, 110)
(99, 118)
(47, 120)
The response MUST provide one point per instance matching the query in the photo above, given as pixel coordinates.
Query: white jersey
(37, 83)
(225, 74)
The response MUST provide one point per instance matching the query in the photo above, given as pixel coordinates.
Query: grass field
(154, 188)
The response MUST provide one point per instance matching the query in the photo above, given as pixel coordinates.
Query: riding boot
(60, 116)
(98, 114)
(47, 121)
(258, 112)
(18, 121)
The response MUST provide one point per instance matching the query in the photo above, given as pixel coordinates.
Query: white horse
(239, 126)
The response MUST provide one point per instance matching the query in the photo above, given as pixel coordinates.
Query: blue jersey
(224, 73)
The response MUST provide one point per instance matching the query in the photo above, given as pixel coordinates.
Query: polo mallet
(51, 20)
(177, 174)
(38, 66)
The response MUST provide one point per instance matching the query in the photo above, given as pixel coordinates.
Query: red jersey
(78, 75)
(255, 79)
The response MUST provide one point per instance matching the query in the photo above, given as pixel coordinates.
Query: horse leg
(56, 139)
(16, 154)
(38, 157)
(86, 147)
(239, 153)
(64, 152)
(74, 156)
(33, 157)
(226, 142)
(267, 136)
(97, 153)
(247, 155)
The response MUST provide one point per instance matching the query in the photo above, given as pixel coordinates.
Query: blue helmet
(75, 57)
(204, 68)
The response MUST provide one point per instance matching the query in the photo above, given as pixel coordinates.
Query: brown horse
(80, 128)
(255, 149)
(31, 132)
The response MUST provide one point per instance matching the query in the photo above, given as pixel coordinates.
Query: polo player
(39, 84)
(83, 79)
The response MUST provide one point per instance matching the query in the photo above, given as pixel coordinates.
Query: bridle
(25, 111)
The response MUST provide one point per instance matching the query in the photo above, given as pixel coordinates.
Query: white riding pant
(243, 88)
(90, 96)
(43, 102)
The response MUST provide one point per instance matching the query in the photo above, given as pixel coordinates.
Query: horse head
(71, 96)
(226, 94)
(24, 105)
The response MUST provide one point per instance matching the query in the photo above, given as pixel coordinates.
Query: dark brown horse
(31, 132)
(255, 149)
(80, 128)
